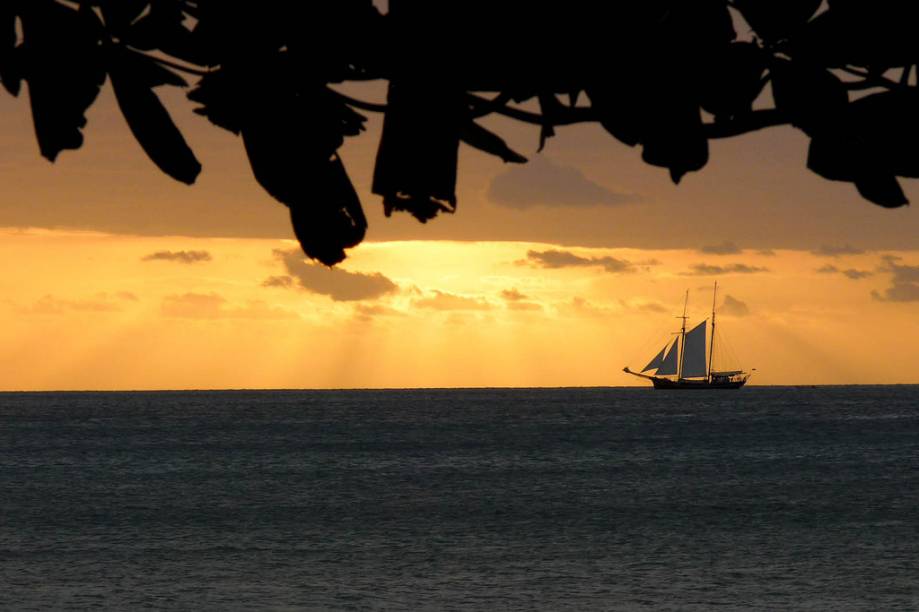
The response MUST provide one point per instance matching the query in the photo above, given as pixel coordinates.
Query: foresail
(656, 362)
(694, 352)
(668, 366)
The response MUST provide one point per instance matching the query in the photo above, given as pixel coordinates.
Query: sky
(559, 272)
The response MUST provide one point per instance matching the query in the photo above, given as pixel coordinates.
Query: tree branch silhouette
(663, 75)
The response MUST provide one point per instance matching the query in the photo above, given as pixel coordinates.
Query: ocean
(477, 499)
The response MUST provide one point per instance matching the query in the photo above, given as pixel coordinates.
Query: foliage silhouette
(668, 75)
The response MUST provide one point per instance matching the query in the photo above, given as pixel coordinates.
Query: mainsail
(694, 352)
(668, 366)
(656, 362)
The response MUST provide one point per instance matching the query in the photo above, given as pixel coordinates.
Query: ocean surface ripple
(483, 499)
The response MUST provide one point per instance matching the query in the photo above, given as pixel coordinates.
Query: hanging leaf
(120, 14)
(622, 102)
(619, 109)
(882, 190)
(163, 28)
(549, 108)
(887, 125)
(835, 154)
(334, 220)
(732, 80)
(676, 140)
(875, 35)
(222, 96)
(673, 137)
(776, 19)
(416, 161)
(873, 142)
(812, 97)
(476, 136)
(64, 68)
(291, 138)
(143, 69)
(573, 97)
(133, 77)
(10, 71)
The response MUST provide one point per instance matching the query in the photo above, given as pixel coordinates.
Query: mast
(679, 371)
(711, 345)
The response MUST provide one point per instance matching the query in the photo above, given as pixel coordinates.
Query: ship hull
(664, 383)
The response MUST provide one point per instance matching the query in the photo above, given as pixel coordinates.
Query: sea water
(488, 499)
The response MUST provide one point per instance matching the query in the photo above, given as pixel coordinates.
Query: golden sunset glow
(100, 311)
(554, 273)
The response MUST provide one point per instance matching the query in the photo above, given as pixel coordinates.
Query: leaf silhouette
(334, 219)
(64, 70)
(619, 110)
(873, 143)
(549, 107)
(882, 190)
(482, 139)
(162, 28)
(732, 80)
(120, 14)
(220, 94)
(888, 127)
(673, 133)
(649, 68)
(835, 154)
(776, 19)
(133, 77)
(10, 72)
(291, 137)
(416, 162)
(812, 97)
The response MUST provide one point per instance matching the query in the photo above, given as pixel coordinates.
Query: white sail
(694, 352)
(656, 362)
(668, 366)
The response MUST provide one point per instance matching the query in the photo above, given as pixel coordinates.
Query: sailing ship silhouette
(684, 364)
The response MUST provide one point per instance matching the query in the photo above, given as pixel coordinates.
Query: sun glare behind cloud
(98, 311)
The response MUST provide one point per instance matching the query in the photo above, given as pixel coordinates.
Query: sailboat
(682, 363)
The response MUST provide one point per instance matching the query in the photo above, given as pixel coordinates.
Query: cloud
(580, 307)
(49, 304)
(903, 273)
(214, 306)
(340, 285)
(542, 182)
(766, 252)
(185, 257)
(651, 307)
(366, 312)
(127, 295)
(733, 307)
(449, 301)
(851, 273)
(735, 268)
(524, 306)
(278, 281)
(837, 250)
(518, 301)
(899, 292)
(512, 295)
(725, 248)
(904, 281)
(553, 259)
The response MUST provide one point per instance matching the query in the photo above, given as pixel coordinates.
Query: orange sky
(558, 273)
(98, 311)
